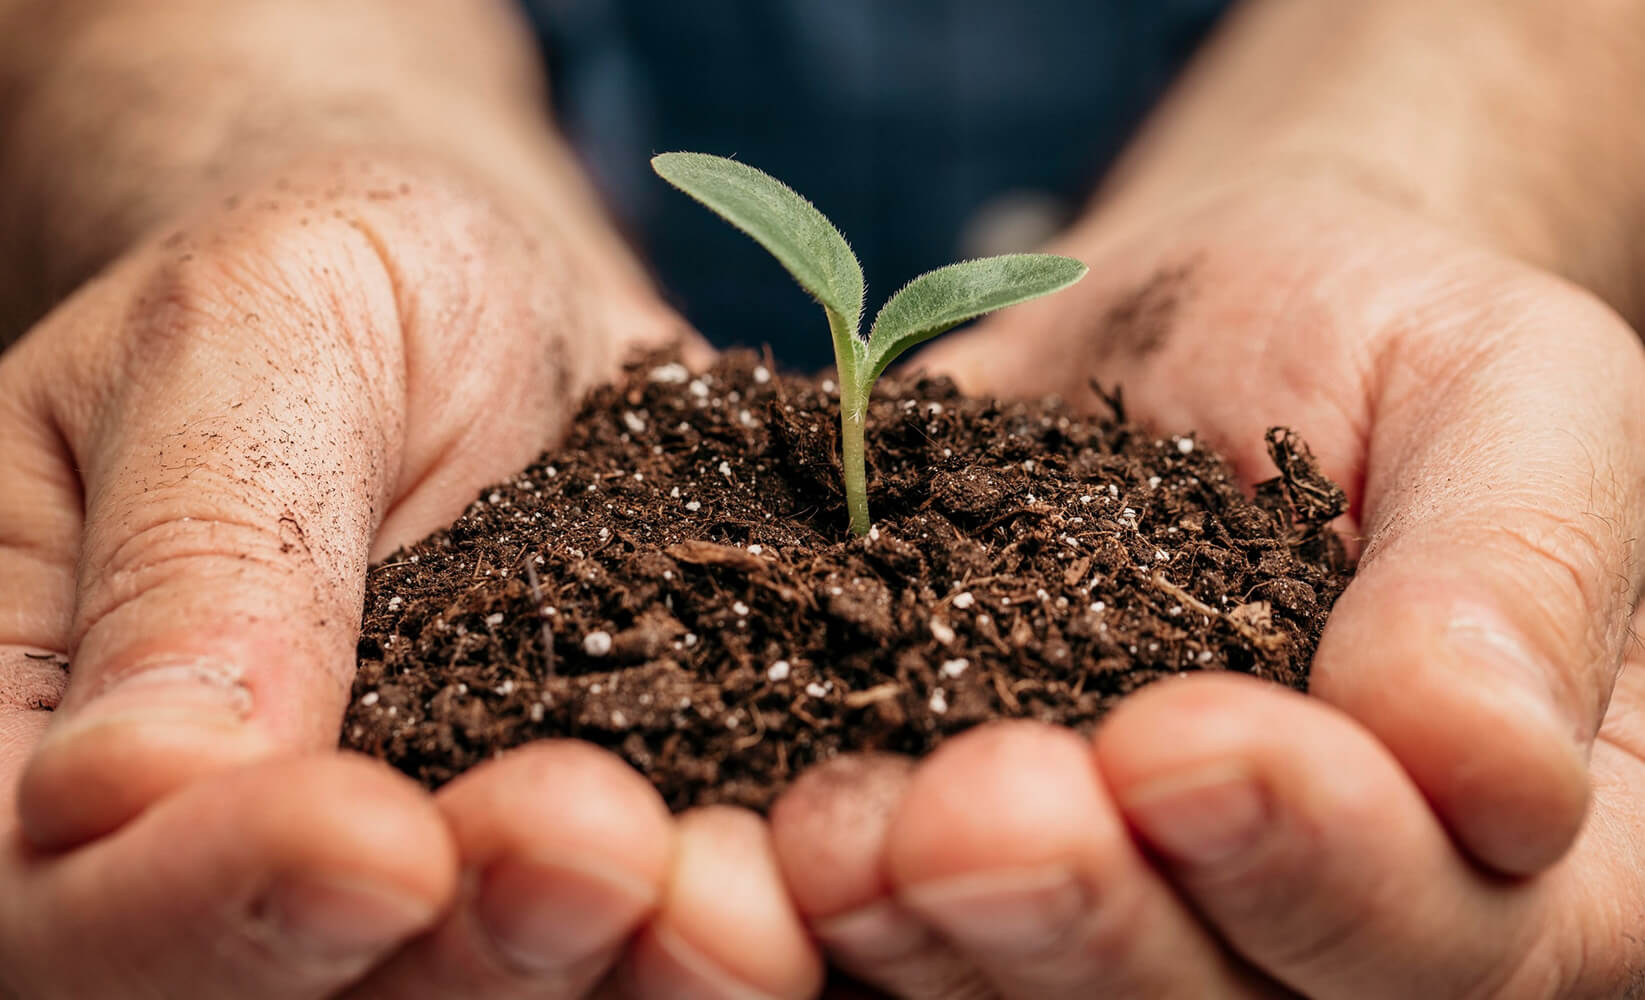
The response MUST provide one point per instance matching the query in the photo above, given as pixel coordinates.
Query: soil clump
(676, 582)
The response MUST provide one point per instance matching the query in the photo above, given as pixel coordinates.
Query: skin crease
(1443, 526)
(279, 377)
(307, 301)
(1478, 682)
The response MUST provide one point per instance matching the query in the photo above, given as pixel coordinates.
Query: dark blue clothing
(897, 118)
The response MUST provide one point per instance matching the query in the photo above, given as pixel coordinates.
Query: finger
(1325, 868)
(284, 881)
(567, 850)
(829, 830)
(39, 512)
(726, 928)
(228, 513)
(39, 538)
(1504, 518)
(1008, 845)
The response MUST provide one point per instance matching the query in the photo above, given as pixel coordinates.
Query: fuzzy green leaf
(783, 222)
(940, 300)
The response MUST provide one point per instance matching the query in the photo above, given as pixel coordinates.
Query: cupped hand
(1453, 813)
(201, 450)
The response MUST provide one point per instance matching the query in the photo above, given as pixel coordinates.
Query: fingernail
(161, 696)
(1011, 912)
(330, 921)
(1202, 819)
(880, 931)
(547, 917)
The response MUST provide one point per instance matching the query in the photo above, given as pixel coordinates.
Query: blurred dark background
(927, 130)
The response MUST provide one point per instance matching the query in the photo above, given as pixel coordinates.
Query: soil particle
(676, 582)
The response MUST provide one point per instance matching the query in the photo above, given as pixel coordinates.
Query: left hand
(1417, 827)
(199, 451)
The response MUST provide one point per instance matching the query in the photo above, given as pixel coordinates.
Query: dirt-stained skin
(1140, 321)
(221, 430)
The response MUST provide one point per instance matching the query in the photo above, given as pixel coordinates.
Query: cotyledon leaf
(783, 222)
(943, 299)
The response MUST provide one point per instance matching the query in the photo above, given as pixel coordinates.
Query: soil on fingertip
(676, 582)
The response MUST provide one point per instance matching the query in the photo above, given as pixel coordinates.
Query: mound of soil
(677, 582)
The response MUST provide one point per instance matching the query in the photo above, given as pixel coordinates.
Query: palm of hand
(1484, 418)
(1479, 411)
(202, 449)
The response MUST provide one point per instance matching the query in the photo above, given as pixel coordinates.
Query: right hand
(201, 450)
(1467, 777)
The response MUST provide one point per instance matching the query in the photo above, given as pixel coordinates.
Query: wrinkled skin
(203, 448)
(210, 441)
(1459, 811)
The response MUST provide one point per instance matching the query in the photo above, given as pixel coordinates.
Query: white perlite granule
(941, 632)
(597, 643)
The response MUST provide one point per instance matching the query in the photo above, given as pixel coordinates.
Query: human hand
(1484, 418)
(202, 449)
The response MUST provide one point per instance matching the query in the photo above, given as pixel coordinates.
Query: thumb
(233, 469)
(1504, 502)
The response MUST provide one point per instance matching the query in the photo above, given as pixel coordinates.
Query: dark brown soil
(677, 582)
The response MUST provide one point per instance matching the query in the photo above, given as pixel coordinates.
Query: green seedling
(819, 258)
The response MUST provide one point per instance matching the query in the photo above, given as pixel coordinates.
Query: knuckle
(210, 553)
(385, 262)
(268, 288)
(156, 543)
(328, 249)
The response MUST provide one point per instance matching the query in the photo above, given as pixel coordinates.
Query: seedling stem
(818, 257)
